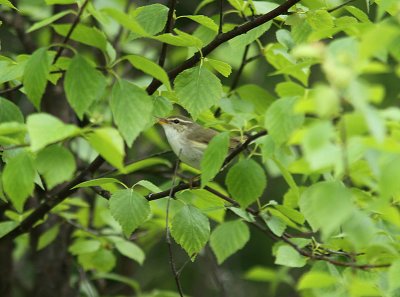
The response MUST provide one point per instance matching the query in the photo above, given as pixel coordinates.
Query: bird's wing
(202, 138)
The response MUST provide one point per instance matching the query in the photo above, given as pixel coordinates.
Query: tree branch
(222, 38)
(168, 28)
(168, 234)
(50, 203)
(71, 30)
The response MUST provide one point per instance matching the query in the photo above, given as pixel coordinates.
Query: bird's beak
(162, 121)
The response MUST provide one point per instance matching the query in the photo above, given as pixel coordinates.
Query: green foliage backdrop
(92, 201)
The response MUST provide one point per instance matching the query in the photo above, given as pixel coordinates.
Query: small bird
(188, 139)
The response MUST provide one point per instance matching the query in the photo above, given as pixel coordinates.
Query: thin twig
(9, 90)
(168, 28)
(70, 31)
(240, 70)
(340, 6)
(168, 234)
(221, 16)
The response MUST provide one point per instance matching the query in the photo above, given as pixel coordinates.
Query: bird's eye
(176, 121)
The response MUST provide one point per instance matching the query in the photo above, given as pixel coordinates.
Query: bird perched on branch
(189, 140)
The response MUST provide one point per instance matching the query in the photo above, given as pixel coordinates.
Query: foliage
(89, 195)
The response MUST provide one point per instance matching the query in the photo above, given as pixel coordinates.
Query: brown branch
(222, 38)
(287, 240)
(71, 30)
(9, 90)
(168, 28)
(168, 234)
(53, 201)
(221, 16)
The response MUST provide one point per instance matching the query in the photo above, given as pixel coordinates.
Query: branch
(340, 6)
(9, 90)
(168, 234)
(53, 201)
(71, 30)
(221, 16)
(286, 239)
(168, 28)
(221, 38)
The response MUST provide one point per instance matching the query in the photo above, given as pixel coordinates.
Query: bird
(188, 139)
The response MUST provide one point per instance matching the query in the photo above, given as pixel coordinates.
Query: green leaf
(130, 250)
(191, 229)
(149, 67)
(224, 68)
(9, 70)
(126, 21)
(358, 13)
(228, 238)
(316, 279)
(202, 20)
(261, 274)
(281, 121)
(6, 227)
(101, 260)
(45, 129)
(197, 89)
(52, 2)
(246, 181)
(9, 112)
(18, 178)
(394, 275)
(130, 209)
(132, 109)
(48, 20)
(148, 185)
(214, 157)
(56, 164)
(250, 36)
(109, 144)
(288, 89)
(83, 246)
(145, 164)
(275, 224)
(97, 182)
(288, 256)
(320, 19)
(180, 39)
(318, 201)
(83, 85)
(87, 35)
(8, 4)
(48, 237)
(238, 4)
(35, 76)
(259, 97)
(152, 18)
